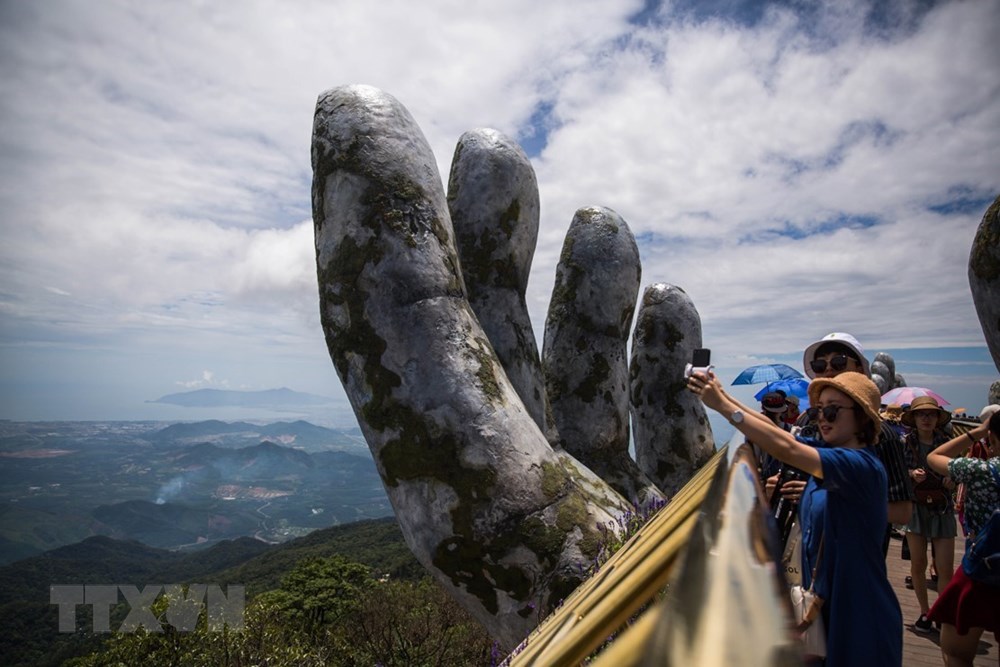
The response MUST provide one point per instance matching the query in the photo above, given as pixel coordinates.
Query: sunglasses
(829, 412)
(837, 363)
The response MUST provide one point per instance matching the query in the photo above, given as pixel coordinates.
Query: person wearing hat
(893, 411)
(966, 608)
(842, 511)
(835, 352)
(980, 449)
(792, 415)
(840, 352)
(892, 415)
(772, 406)
(934, 512)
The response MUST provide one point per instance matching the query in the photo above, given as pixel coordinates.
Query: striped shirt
(888, 449)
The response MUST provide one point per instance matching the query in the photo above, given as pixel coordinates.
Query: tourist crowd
(856, 472)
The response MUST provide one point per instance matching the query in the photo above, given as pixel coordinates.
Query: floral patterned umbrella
(905, 395)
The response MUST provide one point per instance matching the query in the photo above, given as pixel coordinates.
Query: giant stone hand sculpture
(984, 277)
(428, 331)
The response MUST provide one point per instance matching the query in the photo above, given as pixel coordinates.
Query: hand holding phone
(701, 361)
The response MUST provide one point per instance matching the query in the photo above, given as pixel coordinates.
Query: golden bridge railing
(726, 604)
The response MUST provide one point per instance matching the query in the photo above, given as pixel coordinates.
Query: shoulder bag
(930, 493)
(808, 614)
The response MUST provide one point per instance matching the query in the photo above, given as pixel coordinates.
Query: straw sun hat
(926, 403)
(862, 391)
(893, 411)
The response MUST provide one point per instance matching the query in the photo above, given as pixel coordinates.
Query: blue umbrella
(792, 387)
(766, 373)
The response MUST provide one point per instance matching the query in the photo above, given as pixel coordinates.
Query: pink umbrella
(905, 395)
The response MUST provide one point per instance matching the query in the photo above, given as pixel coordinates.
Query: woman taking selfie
(966, 607)
(842, 511)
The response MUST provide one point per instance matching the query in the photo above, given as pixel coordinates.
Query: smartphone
(701, 358)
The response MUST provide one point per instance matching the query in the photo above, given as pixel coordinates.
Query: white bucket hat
(845, 339)
(988, 411)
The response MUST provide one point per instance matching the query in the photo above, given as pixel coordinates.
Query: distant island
(268, 398)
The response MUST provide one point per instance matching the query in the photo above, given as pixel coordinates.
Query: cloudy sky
(797, 168)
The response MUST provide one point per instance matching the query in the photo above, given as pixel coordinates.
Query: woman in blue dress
(842, 511)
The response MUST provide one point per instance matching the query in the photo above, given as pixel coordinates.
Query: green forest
(347, 595)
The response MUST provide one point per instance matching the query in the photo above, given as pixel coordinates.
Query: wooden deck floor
(920, 650)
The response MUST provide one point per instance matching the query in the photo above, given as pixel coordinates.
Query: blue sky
(798, 168)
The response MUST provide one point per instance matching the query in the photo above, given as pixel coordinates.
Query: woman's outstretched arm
(776, 441)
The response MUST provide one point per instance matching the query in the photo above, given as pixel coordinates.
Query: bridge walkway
(925, 650)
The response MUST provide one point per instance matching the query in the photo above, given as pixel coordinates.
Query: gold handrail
(728, 602)
(636, 575)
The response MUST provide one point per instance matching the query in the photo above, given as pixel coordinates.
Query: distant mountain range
(268, 398)
(299, 434)
(185, 485)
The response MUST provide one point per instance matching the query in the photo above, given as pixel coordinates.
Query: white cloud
(698, 142)
(155, 171)
(207, 380)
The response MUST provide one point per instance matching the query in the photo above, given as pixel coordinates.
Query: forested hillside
(351, 595)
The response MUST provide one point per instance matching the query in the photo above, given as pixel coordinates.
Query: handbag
(808, 614)
(807, 606)
(931, 494)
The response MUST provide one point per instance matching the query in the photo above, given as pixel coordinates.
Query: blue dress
(846, 511)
